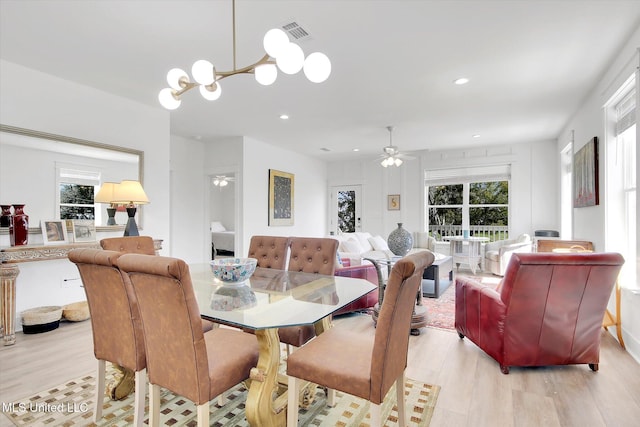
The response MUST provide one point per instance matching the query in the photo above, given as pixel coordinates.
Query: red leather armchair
(548, 309)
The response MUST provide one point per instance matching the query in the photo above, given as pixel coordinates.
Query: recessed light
(476, 135)
(461, 81)
(356, 149)
(284, 117)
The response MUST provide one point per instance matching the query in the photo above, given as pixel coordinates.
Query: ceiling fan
(392, 156)
(222, 180)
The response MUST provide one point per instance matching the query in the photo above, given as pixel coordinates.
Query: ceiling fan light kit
(280, 54)
(391, 156)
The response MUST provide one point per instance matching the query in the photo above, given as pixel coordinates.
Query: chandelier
(280, 54)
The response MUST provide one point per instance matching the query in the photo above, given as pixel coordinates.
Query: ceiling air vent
(325, 149)
(296, 31)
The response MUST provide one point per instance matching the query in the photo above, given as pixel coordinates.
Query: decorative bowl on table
(233, 270)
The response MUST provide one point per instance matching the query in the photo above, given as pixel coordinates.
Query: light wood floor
(474, 391)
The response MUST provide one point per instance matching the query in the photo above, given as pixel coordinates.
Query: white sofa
(361, 244)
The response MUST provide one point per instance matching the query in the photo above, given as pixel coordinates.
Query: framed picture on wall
(585, 175)
(281, 187)
(54, 232)
(393, 202)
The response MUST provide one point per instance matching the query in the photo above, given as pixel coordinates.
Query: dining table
(271, 299)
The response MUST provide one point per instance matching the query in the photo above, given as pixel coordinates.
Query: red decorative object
(19, 227)
(5, 218)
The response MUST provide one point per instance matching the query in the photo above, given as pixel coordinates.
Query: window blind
(626, 112)
(468, 174)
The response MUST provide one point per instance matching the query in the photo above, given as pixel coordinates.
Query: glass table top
(274, 298)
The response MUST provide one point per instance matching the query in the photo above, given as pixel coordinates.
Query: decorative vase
(400, 241)
(19, 227)
(5, 218)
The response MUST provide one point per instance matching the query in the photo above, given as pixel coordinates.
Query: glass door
(346, 209)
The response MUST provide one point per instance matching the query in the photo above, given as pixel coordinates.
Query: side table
(420, 314)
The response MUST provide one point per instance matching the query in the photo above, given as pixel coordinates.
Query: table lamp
(105, 195)
(130, 193)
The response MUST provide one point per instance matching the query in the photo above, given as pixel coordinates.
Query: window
(76, 191)
(621, 133)
(475, 198)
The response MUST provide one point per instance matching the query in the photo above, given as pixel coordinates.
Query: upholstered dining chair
(270, 251)
(130, 244)
(140, 245)
(180, 357)
(309, 255)
(115, 322)
(360, 365)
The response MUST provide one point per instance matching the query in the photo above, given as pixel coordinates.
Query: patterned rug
(442, 310)
(71, 404)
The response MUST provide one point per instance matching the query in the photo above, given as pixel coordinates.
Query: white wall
(310, 192)
(533, 188)
(188, 201)
(38, 101)
(589, 223)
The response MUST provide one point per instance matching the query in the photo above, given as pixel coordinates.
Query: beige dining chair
(309, 255)
(364, 366)
(140, 245)
(270, 251)
(115, 322)
(180, 357)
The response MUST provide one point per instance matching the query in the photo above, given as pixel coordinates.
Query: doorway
(346, 209)
(222, 214)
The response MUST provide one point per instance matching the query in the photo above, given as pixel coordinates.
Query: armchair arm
(480, 315)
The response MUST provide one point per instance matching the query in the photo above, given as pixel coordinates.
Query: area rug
(442, 311)
(71, 404)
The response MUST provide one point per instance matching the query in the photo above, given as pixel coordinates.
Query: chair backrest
(313, 255)
(270, 251)
(560, 299)
(389, 358)
(115, 320)
(174, 341)
(130, 244)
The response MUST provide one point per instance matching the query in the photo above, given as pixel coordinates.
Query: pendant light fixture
(280, 54)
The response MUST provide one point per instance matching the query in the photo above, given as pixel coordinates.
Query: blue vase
(400, 241)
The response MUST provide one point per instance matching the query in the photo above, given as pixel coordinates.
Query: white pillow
(216, 227)
(378, 243)
(352, 246)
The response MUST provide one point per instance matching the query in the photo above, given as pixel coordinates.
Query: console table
(10, 257)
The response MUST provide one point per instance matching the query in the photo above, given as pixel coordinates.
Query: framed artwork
(585, 175)
(393, 202)
(280, 197)
(84, 230)
(54, 232)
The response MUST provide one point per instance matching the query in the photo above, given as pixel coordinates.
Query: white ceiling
(530, 64)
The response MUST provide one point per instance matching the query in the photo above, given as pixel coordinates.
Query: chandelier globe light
(281, 54)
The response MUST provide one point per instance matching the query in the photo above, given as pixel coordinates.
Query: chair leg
(292, 403)
(203, 415)
(331, 397)
(375, 411)
(402, 407)
(99, 396)
(154, 405)
(140, 392)
(222, 399)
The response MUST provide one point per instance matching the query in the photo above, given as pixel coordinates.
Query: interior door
(346, 207)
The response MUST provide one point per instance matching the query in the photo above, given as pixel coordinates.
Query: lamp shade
(105, 194)
(130, 192)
